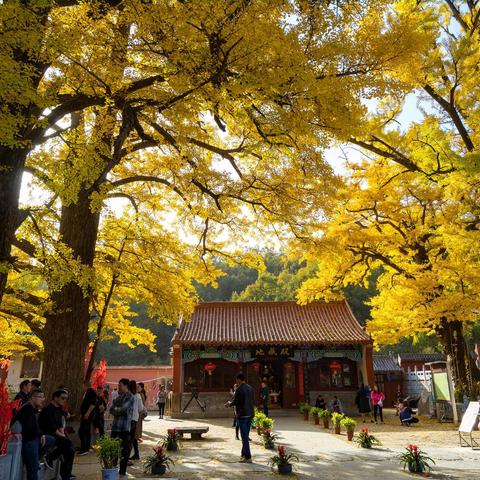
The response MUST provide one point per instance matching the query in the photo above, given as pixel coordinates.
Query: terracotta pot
(305, 416)
(350, 435)
(337, 429)
(326, 423)
(317, 420)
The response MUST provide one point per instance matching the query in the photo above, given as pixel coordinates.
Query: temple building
(299, 351)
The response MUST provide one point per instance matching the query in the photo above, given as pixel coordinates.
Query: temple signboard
(274, 351)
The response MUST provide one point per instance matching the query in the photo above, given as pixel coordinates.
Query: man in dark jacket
(32, 437)
(86, 416)
(244, 401)
(24, 391)
(52, 420)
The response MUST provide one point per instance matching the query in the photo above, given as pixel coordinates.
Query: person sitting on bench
(52, 424)
(406, 415)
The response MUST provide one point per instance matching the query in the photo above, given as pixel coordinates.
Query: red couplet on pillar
(301, 389)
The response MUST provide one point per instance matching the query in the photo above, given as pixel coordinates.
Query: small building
(299, 351)
(388, 377)
(410, 362)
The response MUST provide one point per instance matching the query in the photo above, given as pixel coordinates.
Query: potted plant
(283, 461)
(157, 463)
(416, 460)
(257, 419)
(349, 424)
(315, 412)
(305, 409)
(337, 419)
(171, 441)
(269, 438)
(265, 423)
(108, 451)
(325, 415)
(364, 439)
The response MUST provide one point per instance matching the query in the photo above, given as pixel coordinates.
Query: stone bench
(195, 432)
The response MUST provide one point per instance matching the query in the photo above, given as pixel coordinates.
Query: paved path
(322, 455)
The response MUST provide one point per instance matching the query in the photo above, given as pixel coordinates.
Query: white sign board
(470, 418)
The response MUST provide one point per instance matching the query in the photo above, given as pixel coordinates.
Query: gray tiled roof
(385, 363)
(421, 357)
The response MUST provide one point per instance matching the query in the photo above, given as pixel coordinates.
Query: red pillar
(301, 386)
(177, 369)
(177, 386)
(369, 365)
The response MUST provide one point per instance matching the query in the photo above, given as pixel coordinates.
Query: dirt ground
(427, 433)
(322, 454)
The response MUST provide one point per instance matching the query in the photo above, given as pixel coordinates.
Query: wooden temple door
(290, 385)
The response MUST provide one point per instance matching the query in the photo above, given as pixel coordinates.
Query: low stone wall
(214, 403)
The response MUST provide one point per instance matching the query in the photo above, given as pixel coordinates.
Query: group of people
(44, 429)
(335, 405)
(367, 400)
(45, 432)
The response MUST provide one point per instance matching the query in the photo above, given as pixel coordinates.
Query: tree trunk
(65, 335)
(465, 375)
(12, 162)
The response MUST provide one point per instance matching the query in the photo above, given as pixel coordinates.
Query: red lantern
(256, 367)
(210, 367)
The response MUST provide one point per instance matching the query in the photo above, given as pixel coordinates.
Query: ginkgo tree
(411, 207)
(188, 112)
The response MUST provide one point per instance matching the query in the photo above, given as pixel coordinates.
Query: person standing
(142, 413)
(244, 401)
(143, 393)
(122, 411)
(106, 393)
(235, 417)
(362, 401)
(23, 392)
(265, 396)
(114, 394)
(99, 412)
(161, 401)
(32, 438)
(138, 409)
(52, 420)
(378, 399)
(86, 415)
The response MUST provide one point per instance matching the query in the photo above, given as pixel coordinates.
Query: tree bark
(65, 335)
(12, 162)
(465, 375)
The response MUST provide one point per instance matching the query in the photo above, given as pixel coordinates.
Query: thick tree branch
(449, 108)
